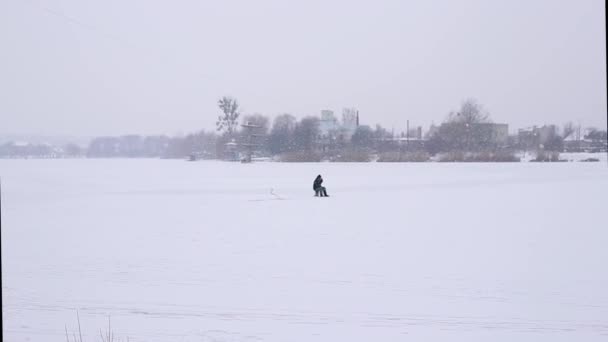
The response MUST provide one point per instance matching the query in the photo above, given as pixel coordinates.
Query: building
(328, 123)
(350, 119)
(589, 141)
(329, 127)
(474, 135)
(495, 132)
(411, 144)
(332, 133)
(534, 137)
(433, 129)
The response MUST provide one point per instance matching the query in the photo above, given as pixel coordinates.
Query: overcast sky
(109, 67)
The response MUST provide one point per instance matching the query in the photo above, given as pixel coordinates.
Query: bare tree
(306, 132)
(281, 137)
(465, 130)
(568, 129)
(470, 112)
(228, 121)
(363, 137)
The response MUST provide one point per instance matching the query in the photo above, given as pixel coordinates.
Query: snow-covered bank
(569, 156)
(178, 251)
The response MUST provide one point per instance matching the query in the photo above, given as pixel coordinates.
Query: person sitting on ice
(319, 190)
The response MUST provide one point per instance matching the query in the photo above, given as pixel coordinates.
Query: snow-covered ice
(202, 251)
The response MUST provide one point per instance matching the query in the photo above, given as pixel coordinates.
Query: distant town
(468, 134)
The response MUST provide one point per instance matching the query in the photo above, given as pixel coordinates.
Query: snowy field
(202, 251)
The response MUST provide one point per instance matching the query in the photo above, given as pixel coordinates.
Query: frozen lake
(202, 251)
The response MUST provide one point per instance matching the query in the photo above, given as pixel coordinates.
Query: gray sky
(74, 67)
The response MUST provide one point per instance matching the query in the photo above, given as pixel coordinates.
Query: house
(333, 133)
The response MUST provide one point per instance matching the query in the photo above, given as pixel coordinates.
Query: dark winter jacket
(317, 184)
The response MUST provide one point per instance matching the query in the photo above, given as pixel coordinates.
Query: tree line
(467, 131)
